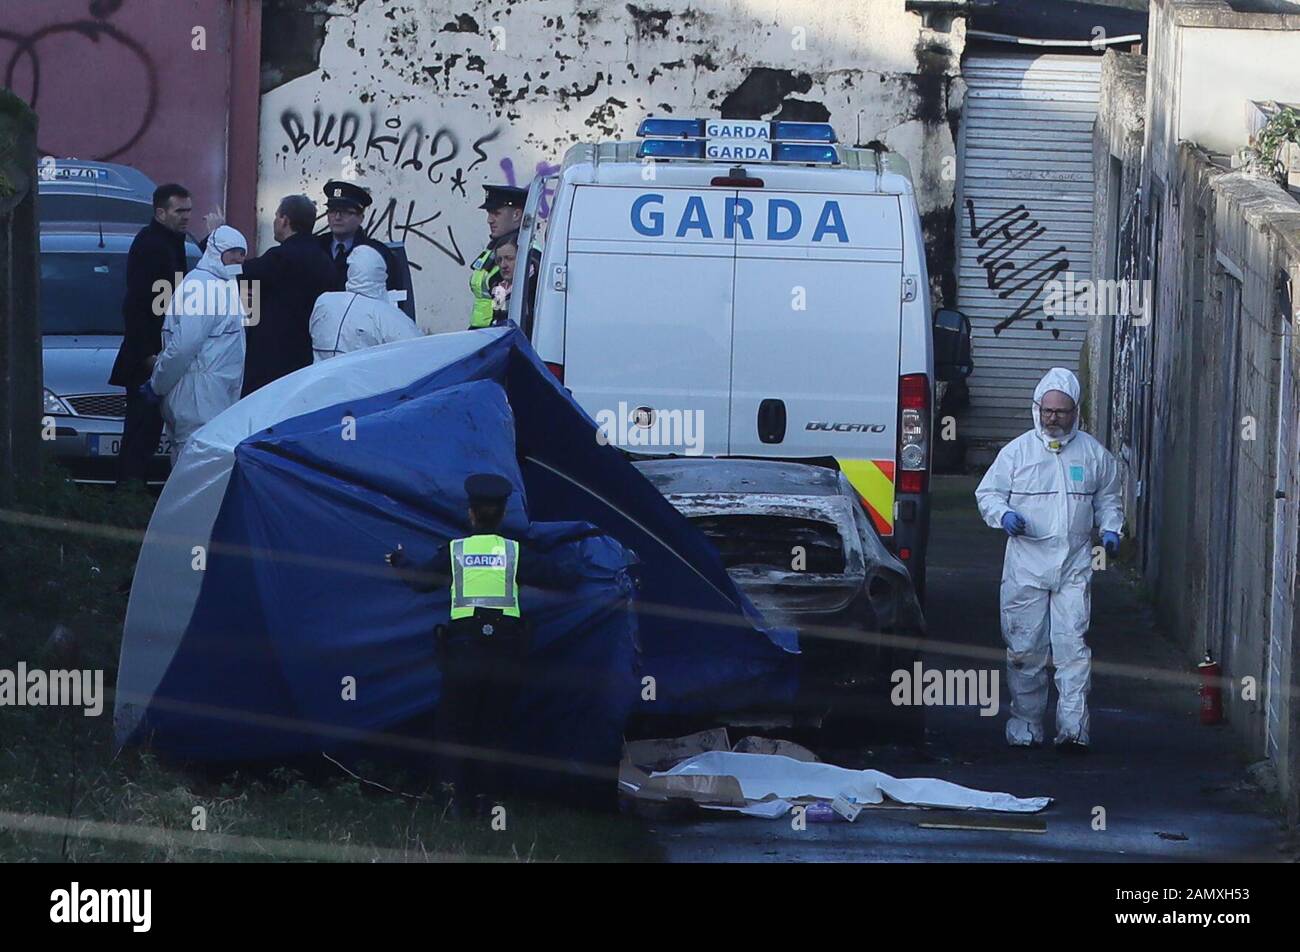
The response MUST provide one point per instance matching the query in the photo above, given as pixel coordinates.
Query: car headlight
(54, 405)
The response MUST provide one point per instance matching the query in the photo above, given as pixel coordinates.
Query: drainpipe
(939, 14)
(244, 117)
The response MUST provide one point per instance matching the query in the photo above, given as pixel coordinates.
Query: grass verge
(66, 554)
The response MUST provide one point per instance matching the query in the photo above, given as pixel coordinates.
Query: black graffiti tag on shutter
(1005, 235)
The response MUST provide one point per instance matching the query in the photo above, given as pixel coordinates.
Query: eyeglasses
(1056, 413)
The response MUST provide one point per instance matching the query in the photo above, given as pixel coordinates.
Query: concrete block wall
(1117, 139)
(1217, 393)
(1248, 212)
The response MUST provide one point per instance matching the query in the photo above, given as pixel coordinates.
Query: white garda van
(738, 288)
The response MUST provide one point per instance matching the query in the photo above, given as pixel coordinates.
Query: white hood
(1058, 378)
(219, 242)
(367, 273)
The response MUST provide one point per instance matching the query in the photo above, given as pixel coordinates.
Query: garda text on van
(781, 220)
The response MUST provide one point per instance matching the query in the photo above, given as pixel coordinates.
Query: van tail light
(557, 370)
(913, 432)
(735, 181)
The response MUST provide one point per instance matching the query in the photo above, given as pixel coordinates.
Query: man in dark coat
(345, 205)
(157, 254)
(290, 277)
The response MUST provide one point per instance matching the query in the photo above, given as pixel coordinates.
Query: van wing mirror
(952, 360)
(397, 249)
(528, 262)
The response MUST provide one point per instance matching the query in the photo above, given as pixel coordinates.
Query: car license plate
(111, 445)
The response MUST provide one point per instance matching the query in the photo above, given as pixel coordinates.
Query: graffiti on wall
(382, 142)
(37, 54)
(543, 170)
(999, 239)
(421, 174)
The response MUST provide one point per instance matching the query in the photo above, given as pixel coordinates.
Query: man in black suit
(345, 205)
(157, 255)
(290, 277)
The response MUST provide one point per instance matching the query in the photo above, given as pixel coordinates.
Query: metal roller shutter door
(1025, 197)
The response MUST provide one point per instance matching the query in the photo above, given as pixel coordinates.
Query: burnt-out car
(795, 539)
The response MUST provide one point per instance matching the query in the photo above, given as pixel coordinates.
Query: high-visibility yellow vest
(480, 285)
(483, 575)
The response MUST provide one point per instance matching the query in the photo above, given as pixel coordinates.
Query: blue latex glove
(1014, 523)
(1111, 541)
(146, 390)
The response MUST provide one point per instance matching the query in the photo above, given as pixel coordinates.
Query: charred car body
(796, 541)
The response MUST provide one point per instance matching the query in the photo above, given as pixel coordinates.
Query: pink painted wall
(119, 81)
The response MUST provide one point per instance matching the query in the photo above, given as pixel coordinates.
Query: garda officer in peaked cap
(345, 207)
(504, 205)
(482, 649)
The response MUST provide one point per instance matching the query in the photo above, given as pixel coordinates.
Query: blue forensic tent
(263, 622)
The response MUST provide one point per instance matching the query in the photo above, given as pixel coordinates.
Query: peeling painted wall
(424, 101)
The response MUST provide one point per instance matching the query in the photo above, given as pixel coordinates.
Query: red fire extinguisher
(1211, 691)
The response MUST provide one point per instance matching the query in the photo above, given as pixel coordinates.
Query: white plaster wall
(428, 114)
(1221, 71)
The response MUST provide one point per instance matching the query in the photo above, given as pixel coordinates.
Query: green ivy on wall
(1281, 128)
(7, 143)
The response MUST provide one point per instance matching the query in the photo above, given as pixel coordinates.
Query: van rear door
(816, 335)
(648, 313)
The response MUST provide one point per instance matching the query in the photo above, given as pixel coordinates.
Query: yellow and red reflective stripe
(874, 481)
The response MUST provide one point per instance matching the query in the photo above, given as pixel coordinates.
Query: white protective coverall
(201, 368)
(1062, 488)
(361, 316)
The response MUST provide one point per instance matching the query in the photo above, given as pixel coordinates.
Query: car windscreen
(92, 208)
(81, 292)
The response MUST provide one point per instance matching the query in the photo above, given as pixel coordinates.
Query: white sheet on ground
(771, 775)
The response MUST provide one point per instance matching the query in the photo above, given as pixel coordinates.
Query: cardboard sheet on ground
(773, 777)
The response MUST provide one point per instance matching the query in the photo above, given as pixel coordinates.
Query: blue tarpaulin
(301, 639)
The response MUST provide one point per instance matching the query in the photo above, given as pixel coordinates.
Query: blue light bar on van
(794, 152)
(671, 128)
(803, 132)
(671, 149)
(748, 130)
(738, 140)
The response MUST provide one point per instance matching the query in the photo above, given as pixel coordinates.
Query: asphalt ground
(1166, 788)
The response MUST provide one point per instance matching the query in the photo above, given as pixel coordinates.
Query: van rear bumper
(912, 532)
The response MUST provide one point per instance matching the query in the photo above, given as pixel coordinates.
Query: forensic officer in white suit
(1047, 489)
(361, 316)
